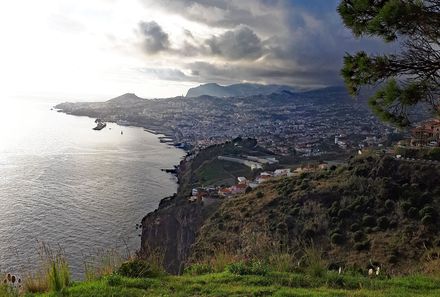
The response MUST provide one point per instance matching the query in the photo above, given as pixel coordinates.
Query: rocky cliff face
(172, 230)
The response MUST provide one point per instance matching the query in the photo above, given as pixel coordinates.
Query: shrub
(248, 268)
(360, 246)
(343, 213)
(295, 211)
(282, 262)
(412, 212)
(136, 268)
(260, 194)
(316, 266)
(427, 220)
(199, 269)
(358, 236)
(405, 206)
(114, 280)
(337, 238)
(221, 260)
(355, 227)
(389, 204)
(383, 223)
(427, 210)
(369, 221)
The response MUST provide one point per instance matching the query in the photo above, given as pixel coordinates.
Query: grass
(272, 284)
(217, 172)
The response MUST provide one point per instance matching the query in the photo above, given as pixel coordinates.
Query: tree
(407, 78)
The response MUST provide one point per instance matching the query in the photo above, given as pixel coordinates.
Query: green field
(272, 284)
(216, 172)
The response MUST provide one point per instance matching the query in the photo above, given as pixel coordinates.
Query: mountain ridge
(237, 90)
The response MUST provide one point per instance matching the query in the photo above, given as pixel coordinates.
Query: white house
(281, 172)
(242, 180)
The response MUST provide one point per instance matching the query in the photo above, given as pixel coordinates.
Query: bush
(405, 206)
(199, 269)
(343, 213)
(361, 246)
(136, 269)
(358, 236)
(428, 220)
(427, 210)
(412, 212)
(260, 194)
(355, 227)
(248, 268)
(337, 238)
(369, 221)
(282, 262)
(114, 280)
(389, 204)
(383, 223)
(316, 265)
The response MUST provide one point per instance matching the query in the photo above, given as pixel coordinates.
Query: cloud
(228, 73)
(271, 41)
(241, 43)
(168, 74)
(154, 39)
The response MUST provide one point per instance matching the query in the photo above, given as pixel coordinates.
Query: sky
(98, 49)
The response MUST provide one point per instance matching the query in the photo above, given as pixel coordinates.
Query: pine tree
(411, 76)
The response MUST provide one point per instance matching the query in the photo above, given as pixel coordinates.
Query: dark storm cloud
(154, 39)
(241, 43)
(278, 41)
(229, 73)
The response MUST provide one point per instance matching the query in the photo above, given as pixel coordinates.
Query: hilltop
(237, 90)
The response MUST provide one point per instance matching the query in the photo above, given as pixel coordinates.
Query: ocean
(64, 184)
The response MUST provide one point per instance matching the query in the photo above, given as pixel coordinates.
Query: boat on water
(100, 124)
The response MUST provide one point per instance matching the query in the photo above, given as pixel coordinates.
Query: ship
(100, 124)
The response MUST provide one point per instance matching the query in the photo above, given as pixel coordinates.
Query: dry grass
(104, 263)
(53, 274)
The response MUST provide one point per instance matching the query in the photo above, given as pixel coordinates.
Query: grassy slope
(274, 284)
(318, 205)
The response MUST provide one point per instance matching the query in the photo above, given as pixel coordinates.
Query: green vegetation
(272, 283)
(419, 153)
(375, 208)
(216, 172)
(407, 78)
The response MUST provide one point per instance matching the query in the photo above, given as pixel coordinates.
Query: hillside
(237, 90)
(373, 210)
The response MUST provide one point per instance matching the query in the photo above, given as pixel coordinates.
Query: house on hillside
(281, 172)
(242, 180)
(239, 189)
(263, 177)
(426, 134)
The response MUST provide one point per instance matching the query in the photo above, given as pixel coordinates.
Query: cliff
(171, 230)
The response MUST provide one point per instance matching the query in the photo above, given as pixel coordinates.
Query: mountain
(237, 90)
(126, 99)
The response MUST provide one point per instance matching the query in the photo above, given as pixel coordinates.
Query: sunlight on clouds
(77, 48)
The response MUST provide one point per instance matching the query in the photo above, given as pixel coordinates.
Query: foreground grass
(273, 284)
